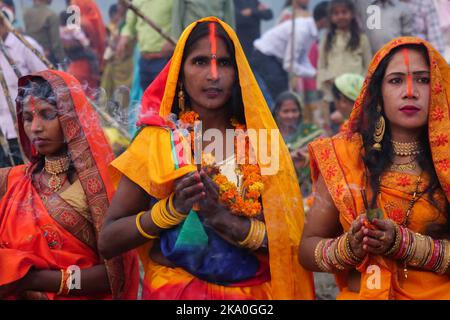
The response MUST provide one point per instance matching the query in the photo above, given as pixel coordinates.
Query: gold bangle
(349, 251)
(245, 242)
(162, 218)
(256, 235)
(140, 229)
(173, 210)
(61, 285)
(318, 255)
(396, 245)
(66, 287)
(446, 258)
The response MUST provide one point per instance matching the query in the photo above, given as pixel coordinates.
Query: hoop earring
(181, 99)
(380, 128)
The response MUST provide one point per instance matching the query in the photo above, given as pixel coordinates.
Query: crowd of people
(96, 127)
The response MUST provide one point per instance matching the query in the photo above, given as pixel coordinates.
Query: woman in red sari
(52, 208)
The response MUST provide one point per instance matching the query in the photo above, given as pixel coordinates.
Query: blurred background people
(249, 14)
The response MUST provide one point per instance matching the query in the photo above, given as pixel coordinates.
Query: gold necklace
(408, 166)
(404, 149)
(55, 168)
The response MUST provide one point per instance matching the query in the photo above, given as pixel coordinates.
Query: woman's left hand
(381, 239)
(210, 205)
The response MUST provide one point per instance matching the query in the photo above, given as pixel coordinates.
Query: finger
(356, 227)
(191, 191)
(195, 199)
(210, 186)
(375, 234)
(384, 225)
(370, 242)
(187, 181)
(358, 236)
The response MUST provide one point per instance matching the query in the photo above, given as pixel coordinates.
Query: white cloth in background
(278, 42)
(27, 62)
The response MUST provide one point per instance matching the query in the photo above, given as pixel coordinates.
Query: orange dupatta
(339, 161)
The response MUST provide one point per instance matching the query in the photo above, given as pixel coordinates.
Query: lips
(39, 141)
(212, 92)
(409, 110)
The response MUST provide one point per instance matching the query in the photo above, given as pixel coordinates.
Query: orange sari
(339, 161)
(38, 229)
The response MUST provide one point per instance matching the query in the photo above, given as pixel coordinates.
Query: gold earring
(380, 127)
(181, 99)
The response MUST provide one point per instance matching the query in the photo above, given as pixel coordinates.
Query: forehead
(416, 61)
(31, 102)
(203, 47)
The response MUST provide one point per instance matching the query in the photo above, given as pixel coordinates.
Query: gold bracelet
(318, 256)
(446, 258)
(162, 218)
(256, 235)
(350, 252)
(398, 241)
(140, 229)
(61, 285)
(173, 210)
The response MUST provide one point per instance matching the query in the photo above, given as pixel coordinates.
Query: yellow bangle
(256, 235)
(140, 229)
(173, 210)
(162, 218)
(61, 285)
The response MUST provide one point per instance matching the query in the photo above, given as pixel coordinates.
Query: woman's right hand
(188, 190)
(356, 236)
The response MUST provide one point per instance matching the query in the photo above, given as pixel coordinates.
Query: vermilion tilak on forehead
(408, 72)
(213, 43)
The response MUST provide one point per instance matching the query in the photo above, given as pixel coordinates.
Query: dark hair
(320, 11)
(378, 162)
(39, 88)
(288, 3)
(199, 32)
(355, 31)
(113, 10)
(286, 96)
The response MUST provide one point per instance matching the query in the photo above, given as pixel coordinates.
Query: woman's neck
(214, 118)
(343, 30)
(404, 135)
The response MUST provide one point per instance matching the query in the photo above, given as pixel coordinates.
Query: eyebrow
(205, 56)
(404, 74)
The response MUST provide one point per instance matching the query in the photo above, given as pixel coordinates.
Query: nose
(36, 124)
(213, 71)
(409, 89)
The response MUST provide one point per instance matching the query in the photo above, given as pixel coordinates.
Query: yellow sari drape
(148, 163)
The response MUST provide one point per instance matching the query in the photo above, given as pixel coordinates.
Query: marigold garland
(244, 202)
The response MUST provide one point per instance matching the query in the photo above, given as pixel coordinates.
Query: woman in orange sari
(51, 209)
(382, 187)
(244, 248)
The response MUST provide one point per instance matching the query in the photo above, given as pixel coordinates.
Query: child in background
(343, 49)
(345, 90)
